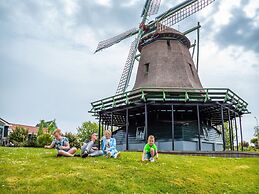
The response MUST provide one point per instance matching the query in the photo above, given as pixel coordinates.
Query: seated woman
(89, 149)
(109, 145)
(61, 144)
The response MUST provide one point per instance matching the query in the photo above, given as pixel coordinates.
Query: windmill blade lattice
(154, 7)
(126, 74)
(181, 14)
(109, 42)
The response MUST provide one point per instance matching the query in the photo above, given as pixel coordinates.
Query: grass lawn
(35, 170)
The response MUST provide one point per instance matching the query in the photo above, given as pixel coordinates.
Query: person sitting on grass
(150, 150)
(109, 145)
(61, 144)
(89, 149)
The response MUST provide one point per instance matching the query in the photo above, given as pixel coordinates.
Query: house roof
(4, 121)
(31, 129)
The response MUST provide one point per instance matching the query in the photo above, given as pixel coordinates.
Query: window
(190, 65)
(146, 68)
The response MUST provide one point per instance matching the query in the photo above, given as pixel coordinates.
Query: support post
(102, 129)
(229, 128)
(146, 122)
(127, 129)
(223, 128)
(199, 126)
(241, 133)
(111, 122)
(236, 130)
(172, 106)
(99, 132)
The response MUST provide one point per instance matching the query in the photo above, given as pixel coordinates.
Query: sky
(48, 69)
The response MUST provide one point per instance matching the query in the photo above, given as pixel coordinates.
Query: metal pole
(172, 106)
(241, 133)
(236, 130)
(99, 132)
(127, 129)
(223, 129)
(229, 128)
(199, 126)
(102, 129)
(198, 47)
(232, 135)
(146, 122)
(111, 122)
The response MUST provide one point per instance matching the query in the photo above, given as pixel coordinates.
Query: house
(6, 128)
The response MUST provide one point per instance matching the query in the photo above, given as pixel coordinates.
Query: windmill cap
(165, 33)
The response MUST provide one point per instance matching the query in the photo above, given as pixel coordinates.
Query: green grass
(31, 170)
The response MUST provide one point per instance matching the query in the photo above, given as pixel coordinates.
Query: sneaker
(152, 159)
(77, 155)
(84, 155)
(59, 155)
(117, 155)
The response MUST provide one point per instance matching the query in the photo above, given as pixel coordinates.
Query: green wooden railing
(205, 95)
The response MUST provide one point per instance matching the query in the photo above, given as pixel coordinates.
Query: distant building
(6, 128)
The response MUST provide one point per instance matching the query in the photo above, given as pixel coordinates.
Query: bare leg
(72, 150)
(63, 153)
(152, 152)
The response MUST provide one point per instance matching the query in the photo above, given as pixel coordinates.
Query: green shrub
(73, 139)
(44, 139)
(19, 136)
(31, 141)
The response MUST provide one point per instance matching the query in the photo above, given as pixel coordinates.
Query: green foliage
(44, 139)
(227, 137)
(245, 144)
(52, 126)
(31, 141)
(255, 141)
(86, 130)
(73, 140)
(18, 136)
(256, 133)
(49, 125)
(170, 174)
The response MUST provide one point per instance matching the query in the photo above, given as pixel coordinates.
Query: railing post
(172, 108)
(127, 129)
(199, 126)
(236, 130)
(241, 133)
(223, 128)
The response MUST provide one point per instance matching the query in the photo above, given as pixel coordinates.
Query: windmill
(167, 100)
(161, 23)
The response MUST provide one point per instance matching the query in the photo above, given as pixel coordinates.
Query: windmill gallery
(168, 100)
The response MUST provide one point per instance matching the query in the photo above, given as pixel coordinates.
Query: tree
(244, 144)
(227, 137)
(19, 136)
(44, 139)
(255, 142)
(73, 139)
(49, 125)
(86, 130)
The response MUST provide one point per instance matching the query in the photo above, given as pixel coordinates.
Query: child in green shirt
(150, 150)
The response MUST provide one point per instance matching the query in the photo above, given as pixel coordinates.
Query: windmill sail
(109, 42)
(154, 7)
(126, 74)
(179, 13)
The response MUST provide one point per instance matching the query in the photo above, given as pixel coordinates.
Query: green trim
(221, 95)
